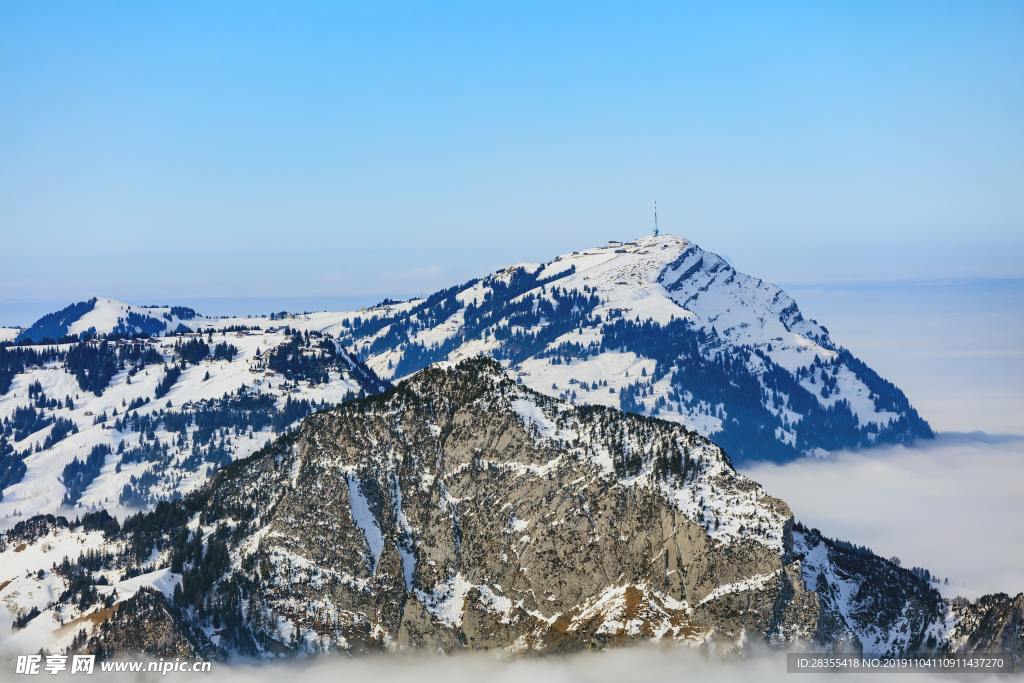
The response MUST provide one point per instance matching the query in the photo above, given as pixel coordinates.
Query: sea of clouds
(952, 505)
(626, 665)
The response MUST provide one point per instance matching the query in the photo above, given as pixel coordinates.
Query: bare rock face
(463, 511)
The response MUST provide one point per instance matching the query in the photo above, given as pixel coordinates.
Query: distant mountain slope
(106, 317)
(463, 511)
(123, 423)
(658, 327)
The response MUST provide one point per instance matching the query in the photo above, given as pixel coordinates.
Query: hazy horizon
(955, 347)
(24, 310)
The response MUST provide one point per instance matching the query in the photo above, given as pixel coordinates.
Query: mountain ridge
(107, 318)
(657, 326)
(680, 319)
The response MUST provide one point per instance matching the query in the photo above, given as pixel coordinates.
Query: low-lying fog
(952, 505)
(628, 665)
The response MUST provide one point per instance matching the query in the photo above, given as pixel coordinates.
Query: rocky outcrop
(145, 622)
(992, 623)
(464, 511)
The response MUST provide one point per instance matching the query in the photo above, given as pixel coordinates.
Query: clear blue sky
(163, 151)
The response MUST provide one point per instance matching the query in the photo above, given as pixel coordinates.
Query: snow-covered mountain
(123, 423)
(660, 327)
(107, 317)
(460, 510)
(138, 404)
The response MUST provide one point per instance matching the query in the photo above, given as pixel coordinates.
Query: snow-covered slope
(107, 317)
(120, 424)
(657, 326)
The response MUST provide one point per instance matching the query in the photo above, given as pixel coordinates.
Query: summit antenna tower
(656, 231)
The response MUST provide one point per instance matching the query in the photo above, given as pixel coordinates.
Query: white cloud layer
(953, 505)
(637, 664)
